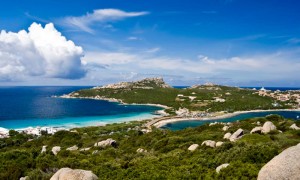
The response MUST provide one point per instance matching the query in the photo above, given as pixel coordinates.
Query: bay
(21, 107)
(179, 125)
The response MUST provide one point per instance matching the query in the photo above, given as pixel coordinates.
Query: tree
(13, 133)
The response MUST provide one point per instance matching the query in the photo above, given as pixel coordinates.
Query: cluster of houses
(181, 97)
(4, 133)
(281, 95)
(184, 112)
(37, 131)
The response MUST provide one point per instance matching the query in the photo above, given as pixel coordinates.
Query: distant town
(290, 96)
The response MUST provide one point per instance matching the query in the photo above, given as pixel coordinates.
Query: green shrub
(167, 156)
(37, 174)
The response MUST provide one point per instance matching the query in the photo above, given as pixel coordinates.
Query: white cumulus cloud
(40, 51)
(85, 22)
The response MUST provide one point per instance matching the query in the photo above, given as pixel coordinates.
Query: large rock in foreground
(286, 165)
(294, 127)
(256, 130)
(105, 143)
(225, 128)
(44, 149)
(219, 143)
(236, 135)
(55, 150)
(268, 127)
(218, 169)
(227, 136)
(73, 148)
(209, 143)
(141, 150)
(76, 174)
(193, 147)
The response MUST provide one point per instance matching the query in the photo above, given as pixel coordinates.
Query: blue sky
(231, 42)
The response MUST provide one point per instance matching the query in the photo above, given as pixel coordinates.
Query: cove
(179, 125)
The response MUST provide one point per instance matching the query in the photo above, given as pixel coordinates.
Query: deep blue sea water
(194, 123)
(21, 107)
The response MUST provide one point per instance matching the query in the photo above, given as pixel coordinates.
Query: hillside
(156, 154)
(197, 99)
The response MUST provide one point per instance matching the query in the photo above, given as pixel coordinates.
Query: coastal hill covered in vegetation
(198, 98)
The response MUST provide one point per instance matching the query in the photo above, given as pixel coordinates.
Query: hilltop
(192, 101)
(148, 83)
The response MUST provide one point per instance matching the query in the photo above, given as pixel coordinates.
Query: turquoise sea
(22, 107)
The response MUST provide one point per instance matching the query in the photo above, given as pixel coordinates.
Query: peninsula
(196, 102)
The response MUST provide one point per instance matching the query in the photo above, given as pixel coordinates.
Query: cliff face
(148, 83)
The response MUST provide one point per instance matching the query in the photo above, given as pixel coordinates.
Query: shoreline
(173, 119)
(157, 122)
(51, 129)
(67, 96)
(80, 122)
(164, 120)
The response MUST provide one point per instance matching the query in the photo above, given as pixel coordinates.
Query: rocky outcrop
(206, 86)
(76, 174)
(219, 143)
(95, 152)
(256, 130)
(55, 150)
(44, 149)
(73, 148)
(141, 150)
(267, 127)
(236, 135)
(225, 128)
(105, 143)
(193, 147)
(227, 136)
(85, 149)
(286, 165)
(209, 143)
(218, 169)
(294, 127)
(148, 83)
(145, 131)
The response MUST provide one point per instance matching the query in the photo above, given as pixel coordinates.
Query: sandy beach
(111, 100)
(157, 105)
(164, 121)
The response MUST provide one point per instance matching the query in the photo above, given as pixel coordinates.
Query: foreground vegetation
(167, 156)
